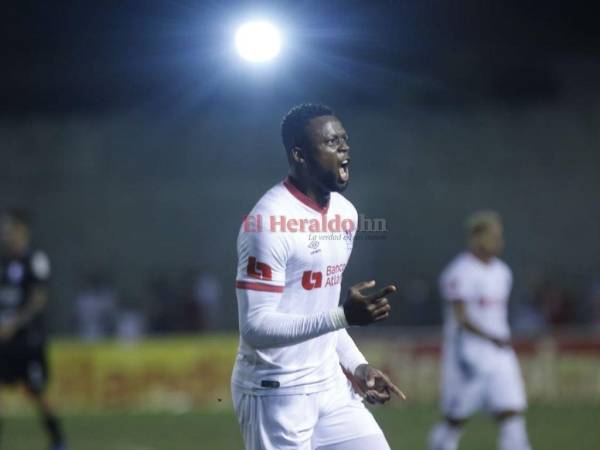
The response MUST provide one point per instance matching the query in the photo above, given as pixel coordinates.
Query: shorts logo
(311, 280)
(259, 270)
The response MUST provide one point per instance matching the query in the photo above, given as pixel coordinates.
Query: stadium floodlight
(258, 41)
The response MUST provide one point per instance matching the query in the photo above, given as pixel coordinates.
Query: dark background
(138, 140)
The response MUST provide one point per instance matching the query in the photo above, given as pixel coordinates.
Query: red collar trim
(304, 198)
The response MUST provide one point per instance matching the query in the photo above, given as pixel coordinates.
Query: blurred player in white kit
(288, 383)
(480, 370)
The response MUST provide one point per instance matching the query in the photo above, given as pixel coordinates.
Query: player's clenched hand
(363, 309)
(374, 385)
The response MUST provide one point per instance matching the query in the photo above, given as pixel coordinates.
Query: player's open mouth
(344, 170)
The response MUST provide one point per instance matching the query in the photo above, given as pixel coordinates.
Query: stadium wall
(137, 195)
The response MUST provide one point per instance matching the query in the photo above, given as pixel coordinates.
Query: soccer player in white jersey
(480, 370)
(288, 384)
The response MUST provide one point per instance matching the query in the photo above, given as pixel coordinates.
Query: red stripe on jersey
(304, 198)
(258, 286)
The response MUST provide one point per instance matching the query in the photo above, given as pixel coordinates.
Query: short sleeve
(40, 267)
(262, 260)
(456, 284)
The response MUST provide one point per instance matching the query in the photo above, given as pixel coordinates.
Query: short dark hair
(17, 215)
(295, 121)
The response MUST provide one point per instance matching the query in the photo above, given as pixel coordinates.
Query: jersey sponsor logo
(311, 280)
(259, 270)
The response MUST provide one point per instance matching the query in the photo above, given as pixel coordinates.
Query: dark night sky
(86, 56)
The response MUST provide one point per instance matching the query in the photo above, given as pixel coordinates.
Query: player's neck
(484, 257)
(310, 190)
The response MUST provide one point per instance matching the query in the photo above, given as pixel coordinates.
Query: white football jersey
(291, 257)
(476, 373)
(484, 288)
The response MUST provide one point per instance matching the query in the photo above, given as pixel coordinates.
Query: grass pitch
(551, 427)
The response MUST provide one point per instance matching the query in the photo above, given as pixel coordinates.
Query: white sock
(513, 434)
(444, 437)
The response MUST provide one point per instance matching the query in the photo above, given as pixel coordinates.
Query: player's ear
(297, 155)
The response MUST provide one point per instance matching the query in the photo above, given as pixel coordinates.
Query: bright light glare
(258, 41)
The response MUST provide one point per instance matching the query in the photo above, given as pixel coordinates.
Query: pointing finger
(382, 293)
(393, 387)
(363, 285)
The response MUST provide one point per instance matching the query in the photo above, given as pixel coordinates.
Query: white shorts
(302, 422)
(493, 384)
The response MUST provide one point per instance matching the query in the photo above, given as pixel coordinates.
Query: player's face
(12, 234)
(328, 153)
(492, 239)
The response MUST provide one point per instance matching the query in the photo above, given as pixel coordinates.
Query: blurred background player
(23, 297)
(289, 390)
(480, 368)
